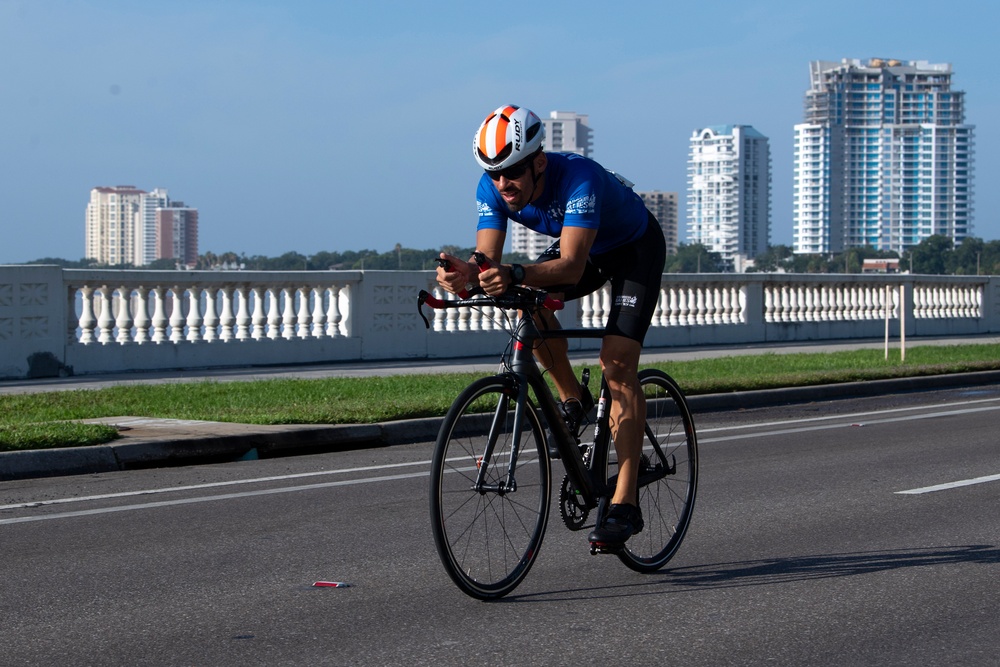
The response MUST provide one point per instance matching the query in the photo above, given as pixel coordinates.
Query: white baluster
(809, 304)
(124, 320)
(727, 306)
(587, 311)
(259, 319)
(141, 320)
(318, 313)
(659, 316)
(227, 318)
(87, 318)
(785, 305)
(176, 314)
(333, 313)
(194, 321)
(304, 317)
(699, 295)
(274, 313)
(105, 322)
(288, 315)
(159, 316)
(243, 313)
(211, 318)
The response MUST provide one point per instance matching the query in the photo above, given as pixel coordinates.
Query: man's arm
(574, 248)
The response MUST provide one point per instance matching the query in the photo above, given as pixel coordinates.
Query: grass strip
(30, 421)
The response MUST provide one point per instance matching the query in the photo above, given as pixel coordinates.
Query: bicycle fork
(500, 417)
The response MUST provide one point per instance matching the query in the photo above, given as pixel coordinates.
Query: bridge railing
(65, 321)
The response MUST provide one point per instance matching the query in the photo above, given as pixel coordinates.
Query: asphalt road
(804, 550)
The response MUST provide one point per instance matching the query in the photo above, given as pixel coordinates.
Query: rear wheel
(670, 460)
(489, 538)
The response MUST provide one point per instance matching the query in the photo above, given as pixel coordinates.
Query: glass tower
(883, 159)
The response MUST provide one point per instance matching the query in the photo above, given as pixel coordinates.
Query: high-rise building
(177, 233)
(729, 192)
(124, 227)
(883, 159)
(663, 205)
(113, 218)
(565, 132)
(146, 243)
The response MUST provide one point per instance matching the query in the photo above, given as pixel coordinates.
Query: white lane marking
(207, 499)
(950, 485)
(209, 485)
(850, 415)
(821, 427)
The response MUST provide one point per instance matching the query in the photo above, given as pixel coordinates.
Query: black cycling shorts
(635, 271)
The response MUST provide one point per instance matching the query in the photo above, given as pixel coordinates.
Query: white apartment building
(565, 132)
(729, 192)
(113, 221)
(883, 158)
(663, 206)
(145, 242)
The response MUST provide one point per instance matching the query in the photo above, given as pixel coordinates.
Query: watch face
(517, 273)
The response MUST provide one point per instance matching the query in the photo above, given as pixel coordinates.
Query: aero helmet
(507, 136)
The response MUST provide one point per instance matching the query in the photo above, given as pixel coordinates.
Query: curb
(254, 441)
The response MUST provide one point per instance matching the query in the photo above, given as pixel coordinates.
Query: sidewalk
(147, 442)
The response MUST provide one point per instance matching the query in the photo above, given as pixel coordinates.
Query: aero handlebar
(515, 298)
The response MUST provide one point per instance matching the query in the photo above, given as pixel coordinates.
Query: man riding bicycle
(604, 233)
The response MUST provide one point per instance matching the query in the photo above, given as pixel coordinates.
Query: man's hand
(453, 274)
(494, 278)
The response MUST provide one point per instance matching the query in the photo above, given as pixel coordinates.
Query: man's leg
(552, 355)
(620, 365)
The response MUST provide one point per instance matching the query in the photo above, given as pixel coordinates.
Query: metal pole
(902, 324)
(887, 299)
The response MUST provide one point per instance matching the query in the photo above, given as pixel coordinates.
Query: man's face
(516, 184)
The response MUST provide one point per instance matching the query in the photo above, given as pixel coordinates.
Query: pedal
(604, 548)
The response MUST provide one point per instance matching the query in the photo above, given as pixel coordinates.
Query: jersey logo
(581, 205)
(484, 208)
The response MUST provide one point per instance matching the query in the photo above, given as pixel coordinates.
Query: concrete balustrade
(67, 321)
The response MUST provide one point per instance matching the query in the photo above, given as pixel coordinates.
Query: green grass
(33, 421)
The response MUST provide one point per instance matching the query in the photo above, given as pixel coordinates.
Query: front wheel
(670, 462)
(488, 537)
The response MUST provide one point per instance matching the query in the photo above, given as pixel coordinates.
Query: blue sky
(305, 125)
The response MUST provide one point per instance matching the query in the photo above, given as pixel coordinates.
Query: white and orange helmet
(507, 136)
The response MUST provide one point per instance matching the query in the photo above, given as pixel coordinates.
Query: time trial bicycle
(491, 473)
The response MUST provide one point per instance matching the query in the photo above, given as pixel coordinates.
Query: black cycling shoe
(622, 522)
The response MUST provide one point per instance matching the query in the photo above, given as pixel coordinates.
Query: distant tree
(932, 256)
(163, 264)
(774, 259)
(65, 263)
(694, 258)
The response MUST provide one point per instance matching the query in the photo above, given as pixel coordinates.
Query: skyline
(309, 126)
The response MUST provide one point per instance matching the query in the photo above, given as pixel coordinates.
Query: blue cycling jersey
(578, 193)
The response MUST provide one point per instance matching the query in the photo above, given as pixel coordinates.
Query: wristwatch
(516, 274)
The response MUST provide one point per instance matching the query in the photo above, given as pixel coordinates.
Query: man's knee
(620, 358)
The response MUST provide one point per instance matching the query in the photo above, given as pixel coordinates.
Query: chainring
(574, 513)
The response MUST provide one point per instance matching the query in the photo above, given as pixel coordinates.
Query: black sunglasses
(512, 172)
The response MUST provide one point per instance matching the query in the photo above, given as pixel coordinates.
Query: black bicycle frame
(523, 365)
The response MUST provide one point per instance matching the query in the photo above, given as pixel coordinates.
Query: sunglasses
(511, 173)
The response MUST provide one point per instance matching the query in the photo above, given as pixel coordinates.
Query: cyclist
(604, 232)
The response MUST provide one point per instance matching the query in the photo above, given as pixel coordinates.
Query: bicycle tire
(488, 540)
(667, 503)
